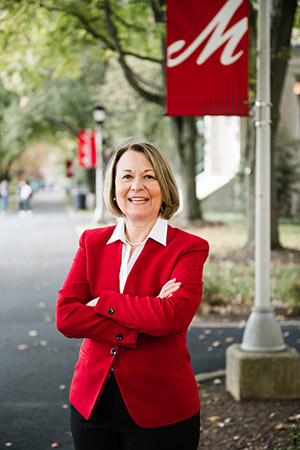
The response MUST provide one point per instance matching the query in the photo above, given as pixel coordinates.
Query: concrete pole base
(262, 332)
(262, 375)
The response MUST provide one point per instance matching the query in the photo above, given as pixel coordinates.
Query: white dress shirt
(158, 233)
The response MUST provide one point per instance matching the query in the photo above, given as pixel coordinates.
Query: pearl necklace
(134, 245)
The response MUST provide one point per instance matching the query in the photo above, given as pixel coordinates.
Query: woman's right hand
(169, 288)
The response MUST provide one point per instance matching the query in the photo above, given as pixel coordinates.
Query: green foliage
(229, 282)
(286, 170)
(294, 439)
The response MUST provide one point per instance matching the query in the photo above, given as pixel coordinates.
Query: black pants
(111, 428)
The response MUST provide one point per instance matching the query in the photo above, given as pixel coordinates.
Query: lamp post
(99, 117)
(262, 332)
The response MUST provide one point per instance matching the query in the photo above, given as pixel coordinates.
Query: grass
(230, 285)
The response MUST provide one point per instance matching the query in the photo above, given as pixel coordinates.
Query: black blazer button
(113, 351)
(119, 337)
(111, 311)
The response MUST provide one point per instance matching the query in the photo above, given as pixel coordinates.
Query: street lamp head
(99, 113)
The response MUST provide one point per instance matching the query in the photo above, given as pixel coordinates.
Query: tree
(135, 33)
(283, 16)
(282, 19)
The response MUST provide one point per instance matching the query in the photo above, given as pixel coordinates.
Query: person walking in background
(131, 293)
(25, 194)
(4, 196)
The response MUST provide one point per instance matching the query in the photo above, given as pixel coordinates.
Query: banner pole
(262, 332)
(99, 174)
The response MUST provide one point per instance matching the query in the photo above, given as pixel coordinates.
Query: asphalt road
(36, 362)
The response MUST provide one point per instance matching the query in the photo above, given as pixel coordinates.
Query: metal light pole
(262, 332)
(99, 117)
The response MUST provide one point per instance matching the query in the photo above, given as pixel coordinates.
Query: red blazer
(141, 336)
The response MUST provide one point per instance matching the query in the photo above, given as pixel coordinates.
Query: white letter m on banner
(218, 38)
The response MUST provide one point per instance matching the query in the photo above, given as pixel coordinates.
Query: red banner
(69, 168)
(86, 149)
(207, 57)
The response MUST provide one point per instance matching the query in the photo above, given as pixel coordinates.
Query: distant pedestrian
(25, 194)
(4, 195)
(132, 292)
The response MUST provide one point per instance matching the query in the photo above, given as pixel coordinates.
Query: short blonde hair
(163, 173)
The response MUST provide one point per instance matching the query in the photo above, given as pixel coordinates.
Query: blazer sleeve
(74, 319)
(157, 316)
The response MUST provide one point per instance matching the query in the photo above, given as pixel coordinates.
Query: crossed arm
(113, 313)
(167, 290)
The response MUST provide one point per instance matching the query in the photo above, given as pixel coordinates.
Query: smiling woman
(159, 168)
(131, 293)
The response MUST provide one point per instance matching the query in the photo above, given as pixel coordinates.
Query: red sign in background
(86, 148)
(69, 168)
(207, 57)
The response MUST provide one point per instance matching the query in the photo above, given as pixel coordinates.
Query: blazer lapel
(111, 256)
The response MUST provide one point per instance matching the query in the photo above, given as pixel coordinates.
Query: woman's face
(138, 192)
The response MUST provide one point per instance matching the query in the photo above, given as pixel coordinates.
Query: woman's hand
(92, 302)
(170, 287)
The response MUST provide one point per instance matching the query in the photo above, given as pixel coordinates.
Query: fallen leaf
(54, 349)
(229, 339)
(62, 387)
(209, 349)
(207, 331)
(216, 344)
(201, 337)
(213, 418)
(65, 406)
(217, 381)
(23, 347)
(47, 317)
(8, 444)
(204, 393)
(32, 333)
(221, 425)
(54, 445)
(281, 426)
(43, 342)
(42, 305)
(292, 418)
(221, 332)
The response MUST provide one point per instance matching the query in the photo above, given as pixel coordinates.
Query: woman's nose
(137, 184)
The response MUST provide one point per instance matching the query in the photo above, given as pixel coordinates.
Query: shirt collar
(158, 232)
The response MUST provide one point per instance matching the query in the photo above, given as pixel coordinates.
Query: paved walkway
(37, 362)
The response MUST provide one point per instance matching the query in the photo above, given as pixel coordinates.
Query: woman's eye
(150, 177)
(126, 177)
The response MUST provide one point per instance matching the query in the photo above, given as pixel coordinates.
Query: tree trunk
(250, 136)
(283, 13)
(185, 133)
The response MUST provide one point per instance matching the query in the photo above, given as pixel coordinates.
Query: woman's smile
(138, 192)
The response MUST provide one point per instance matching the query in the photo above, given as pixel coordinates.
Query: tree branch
(146, 58)
(135, 81)
(63, 123)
